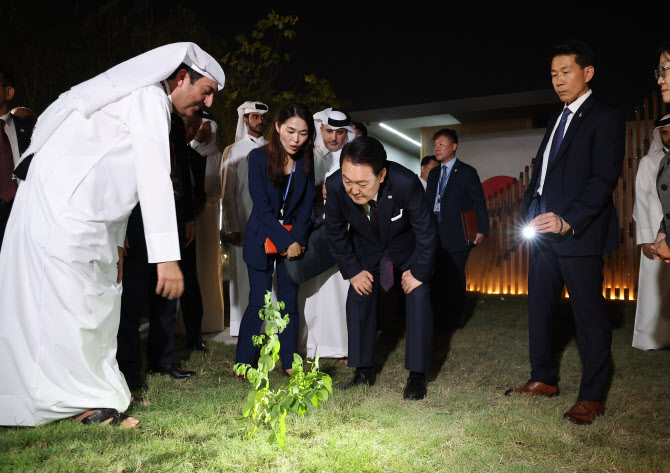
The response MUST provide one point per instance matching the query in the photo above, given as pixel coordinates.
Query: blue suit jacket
(463, 192)
(267, 199)
(581, 179)
(408, 236)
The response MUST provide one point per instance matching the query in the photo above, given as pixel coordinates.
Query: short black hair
(194, 75)
(427, 159)
(365, 150)
(582, 52)
(6, 77)
(448, 132)
(664, 48)
(359, 126)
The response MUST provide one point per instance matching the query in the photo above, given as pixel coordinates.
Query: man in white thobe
(323, 328)
(97, 151)
(652, 316)
(237, 202)
(207, 229)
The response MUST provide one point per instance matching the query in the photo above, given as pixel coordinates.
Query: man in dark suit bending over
(568, 203)
(379, 227)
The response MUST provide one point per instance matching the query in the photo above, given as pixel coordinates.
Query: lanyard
(287, 188)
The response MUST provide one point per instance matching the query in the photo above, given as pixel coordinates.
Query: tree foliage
(70, 42)
(265, 406)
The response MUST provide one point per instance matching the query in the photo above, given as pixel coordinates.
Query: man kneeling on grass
(381, 232)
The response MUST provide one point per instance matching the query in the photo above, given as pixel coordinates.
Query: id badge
(437, 207)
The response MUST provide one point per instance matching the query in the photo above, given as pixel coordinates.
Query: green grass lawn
(465, 423)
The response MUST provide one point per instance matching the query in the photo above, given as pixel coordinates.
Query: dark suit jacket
(197, 163)
(178, 149)
(267, 200)
(408, 236)
(463, 192)
(581, 179)
(24, 131)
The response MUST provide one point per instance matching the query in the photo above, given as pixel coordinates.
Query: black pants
(362, 327)
(449, 284)
(260, 281)
(583, 277)
(191, 299)
(5, 209)
(139, 286)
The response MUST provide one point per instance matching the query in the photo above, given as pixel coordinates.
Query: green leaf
(287, 402)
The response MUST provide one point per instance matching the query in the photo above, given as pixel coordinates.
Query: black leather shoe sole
(174, 373)
(357, 380)
(415, 390)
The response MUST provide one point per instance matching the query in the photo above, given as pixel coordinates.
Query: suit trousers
(139, 285)
(191, 299)
(259, 283)
(583, 277)
(449, 283)
(5, 209)
(362, 327)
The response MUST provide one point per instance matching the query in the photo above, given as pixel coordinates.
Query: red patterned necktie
(386, 273)
(385, 265)
(7, 184)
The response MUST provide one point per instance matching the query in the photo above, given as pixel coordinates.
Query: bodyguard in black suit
(569, 204)
(378, 224)
(15, 136)
(140, 278)
(191, 299)
(453, 187)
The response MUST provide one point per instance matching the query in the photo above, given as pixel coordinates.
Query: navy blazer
(462, 192)
(24, 131)
(580, 181)
(408, 236)
(267, 200)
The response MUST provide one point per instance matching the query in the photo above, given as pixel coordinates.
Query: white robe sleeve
(229, 186)
(148, 122)
(645, 210)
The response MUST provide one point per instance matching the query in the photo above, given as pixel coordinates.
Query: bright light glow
(393, 130)
(528, 232)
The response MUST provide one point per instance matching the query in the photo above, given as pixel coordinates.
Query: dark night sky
(386, 57)
(383, 57)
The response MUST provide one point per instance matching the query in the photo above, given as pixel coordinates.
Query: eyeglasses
(661, 71)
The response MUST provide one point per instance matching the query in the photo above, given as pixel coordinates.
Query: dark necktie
(385, 265)
(440, 190)
(373, 217)
(7, 184)
(558, 136)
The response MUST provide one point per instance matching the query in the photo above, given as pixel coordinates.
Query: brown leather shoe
(535, 388)
(584, 412)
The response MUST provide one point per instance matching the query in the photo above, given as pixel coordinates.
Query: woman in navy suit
(281, 185)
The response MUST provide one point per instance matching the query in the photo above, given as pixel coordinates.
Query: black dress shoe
(415, 389)
(199, 347)
(174, 372)
(365, 376)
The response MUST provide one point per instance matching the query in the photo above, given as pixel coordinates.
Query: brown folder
(469, 218)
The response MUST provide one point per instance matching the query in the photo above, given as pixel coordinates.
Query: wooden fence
(500, 264)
